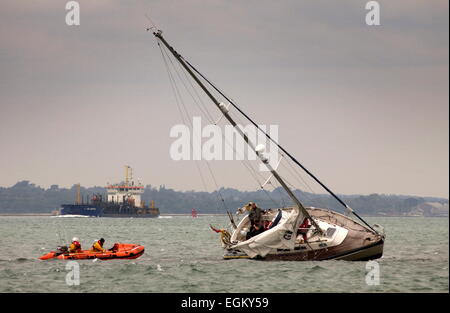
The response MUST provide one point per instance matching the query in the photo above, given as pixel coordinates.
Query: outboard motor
(62, 250)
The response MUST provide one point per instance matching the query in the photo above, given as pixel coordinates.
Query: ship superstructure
(122, 200)
(127, 191)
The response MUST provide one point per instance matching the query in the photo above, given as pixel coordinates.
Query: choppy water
(183, 255)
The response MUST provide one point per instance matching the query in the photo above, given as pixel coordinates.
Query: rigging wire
(153, 24)
(202, 107)
(209, 116)
(255, 132)
(221, 199)
(224, 111)
(246, 163)
(294, 172)
(284, 150)
(249, 119)
(277, 189)
(301, 177)
(305, 194)
(256, 137)
(177, 101)
(190, 123)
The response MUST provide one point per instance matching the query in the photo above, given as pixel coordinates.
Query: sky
(365, 108)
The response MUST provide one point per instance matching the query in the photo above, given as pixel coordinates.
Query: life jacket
(97, 246)
(75, 246)
(304, 227)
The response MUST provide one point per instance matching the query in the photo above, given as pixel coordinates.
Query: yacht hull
(360, 243)
(366, 253)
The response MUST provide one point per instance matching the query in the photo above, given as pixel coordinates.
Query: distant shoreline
(25, 214)
(167, 214)
(199, 214)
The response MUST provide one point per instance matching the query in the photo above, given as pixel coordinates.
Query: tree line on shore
(26, 197)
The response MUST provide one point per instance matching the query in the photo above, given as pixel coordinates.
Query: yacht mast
(224, 110)
(282, 148)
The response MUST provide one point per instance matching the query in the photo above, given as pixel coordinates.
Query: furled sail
(281, 236)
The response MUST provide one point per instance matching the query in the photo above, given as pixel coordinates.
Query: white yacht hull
(353, 242)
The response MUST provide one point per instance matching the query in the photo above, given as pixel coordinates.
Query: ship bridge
(127, 191)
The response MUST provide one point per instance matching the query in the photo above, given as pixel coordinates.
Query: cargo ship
(123, 200)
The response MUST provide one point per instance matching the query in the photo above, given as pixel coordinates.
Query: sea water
(182, 254)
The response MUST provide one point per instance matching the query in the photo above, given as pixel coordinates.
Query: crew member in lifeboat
(75, 246)
(98, 246)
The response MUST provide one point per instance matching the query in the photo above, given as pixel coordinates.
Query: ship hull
(80, 209)
(131, 215)
(107, 210)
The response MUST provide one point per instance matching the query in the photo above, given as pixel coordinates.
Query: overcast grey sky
(365, 108)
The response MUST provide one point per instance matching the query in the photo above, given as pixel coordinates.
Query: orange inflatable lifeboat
(118, 251)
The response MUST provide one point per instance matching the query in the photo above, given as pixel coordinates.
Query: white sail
(281, 236)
